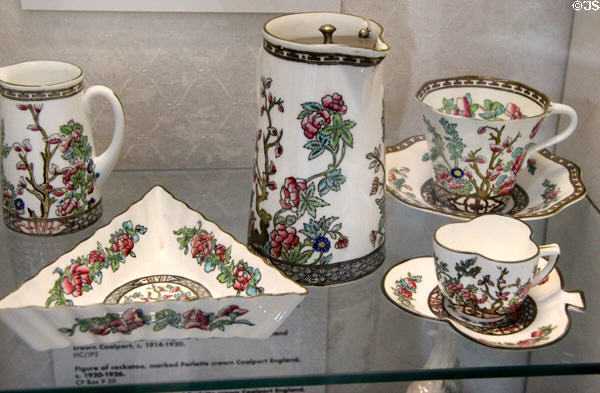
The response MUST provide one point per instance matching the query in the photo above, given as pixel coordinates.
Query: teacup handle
(558, 109)
(553, 252)
(106, 162)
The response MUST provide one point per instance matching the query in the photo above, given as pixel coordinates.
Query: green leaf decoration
(222, 278)
(331, 182)
(312, 106)
(111, 259)
(315, 146)
(65, 129)
(215, 258)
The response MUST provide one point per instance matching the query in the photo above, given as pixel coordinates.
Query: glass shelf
(345, 334)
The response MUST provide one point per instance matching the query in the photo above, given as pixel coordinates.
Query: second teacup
(486, 267)
(480, 131)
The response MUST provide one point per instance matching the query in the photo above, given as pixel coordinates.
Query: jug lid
(325, 38)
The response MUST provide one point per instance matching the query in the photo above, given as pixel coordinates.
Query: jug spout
(332, 38)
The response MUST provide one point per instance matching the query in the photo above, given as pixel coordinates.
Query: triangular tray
(158, 270)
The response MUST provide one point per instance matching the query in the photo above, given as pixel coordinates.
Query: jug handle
(106, 162)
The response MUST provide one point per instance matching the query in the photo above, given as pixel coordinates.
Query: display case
(187, 83)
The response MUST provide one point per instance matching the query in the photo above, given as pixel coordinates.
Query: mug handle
(558, 109)
(106, 162)
(553, 252)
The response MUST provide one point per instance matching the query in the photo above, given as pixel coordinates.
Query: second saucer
(548, 184)
(542, 319)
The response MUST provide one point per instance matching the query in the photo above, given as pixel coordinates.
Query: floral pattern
(472, 172)
(536, 338)
(296, 233)
(158, 292)
(84, 270)
(490, 110)
(406, 288)
(65, 190)
(203, 246)
(398, 177)
(550, 195)
(551, 192)
(487, 295)
(133, 319)
(377, 236)
(541, 334)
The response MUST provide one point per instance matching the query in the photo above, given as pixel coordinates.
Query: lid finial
(327, 31)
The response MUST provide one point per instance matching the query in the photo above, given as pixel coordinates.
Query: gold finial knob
(327, 31)
(364, 32)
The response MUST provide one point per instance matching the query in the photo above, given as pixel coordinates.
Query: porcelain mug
(485, 267)
(51, 175)
(480, 131)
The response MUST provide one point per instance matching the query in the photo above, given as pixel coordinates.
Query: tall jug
(50, 173)
(317, 208)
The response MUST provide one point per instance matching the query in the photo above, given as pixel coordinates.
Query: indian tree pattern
(133, 318)
(377, 236)
(66, 188)
(397, 177)
(405, 289)
(326, 132)
(490, 110)
(487, 291)
(159, 292)
(84, 270)
(10, 200)
(204, 247)
(473, 173)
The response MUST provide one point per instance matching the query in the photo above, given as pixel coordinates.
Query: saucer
(545, 186)
(541, 320)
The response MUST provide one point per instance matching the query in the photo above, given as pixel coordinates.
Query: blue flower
(91, 166)
(457, 173)
(321, 244)
(19, 204)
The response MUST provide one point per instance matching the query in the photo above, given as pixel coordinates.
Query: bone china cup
(486, 267)
(480, 131)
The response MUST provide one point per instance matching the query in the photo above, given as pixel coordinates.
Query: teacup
(480, 131)
(485, 267)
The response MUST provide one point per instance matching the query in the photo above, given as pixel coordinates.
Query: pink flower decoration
(535, 129)
(513, 111)
(290, 193)
(314, 122)
(335, 103)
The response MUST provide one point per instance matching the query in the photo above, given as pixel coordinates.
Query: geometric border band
(20, 95)
(53, 226)
(319, 58)
(480, 81)
(333, 273)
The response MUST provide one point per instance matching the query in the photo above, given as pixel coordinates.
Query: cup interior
(483, 98)
(495, 237)
(39, 74)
